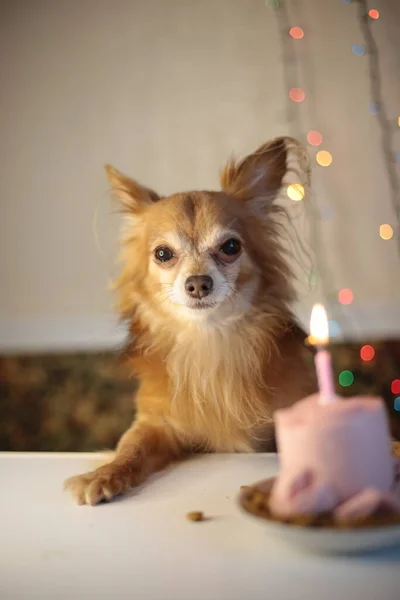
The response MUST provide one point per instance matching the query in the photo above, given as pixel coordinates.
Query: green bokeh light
(313, 277)
(346, 378)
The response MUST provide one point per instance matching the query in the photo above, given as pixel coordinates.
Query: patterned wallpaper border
(84, 401)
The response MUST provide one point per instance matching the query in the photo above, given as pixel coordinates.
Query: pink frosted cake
(334, 458)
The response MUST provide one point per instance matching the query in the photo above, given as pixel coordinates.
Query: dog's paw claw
(97, 486)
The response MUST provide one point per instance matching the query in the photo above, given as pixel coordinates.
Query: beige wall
(166, 90)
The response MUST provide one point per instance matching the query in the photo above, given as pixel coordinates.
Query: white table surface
(141, 546)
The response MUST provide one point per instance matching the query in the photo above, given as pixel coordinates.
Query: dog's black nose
(198, 286)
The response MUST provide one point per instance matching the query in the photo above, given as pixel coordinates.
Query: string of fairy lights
(293, 33)
(377, 107)
(320, 269)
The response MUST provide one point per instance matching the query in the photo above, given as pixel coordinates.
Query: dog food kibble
(396, 449)
(195, 516)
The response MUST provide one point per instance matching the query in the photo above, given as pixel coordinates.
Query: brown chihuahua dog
(206, 291)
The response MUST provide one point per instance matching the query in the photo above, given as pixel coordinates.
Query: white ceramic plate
(326, 540)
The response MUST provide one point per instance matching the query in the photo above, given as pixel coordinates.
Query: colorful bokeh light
(396, 403)
(345, 296)
(324, 158)
(373, 13)
(386, 231)
(326, 212)
(346, 378)
(314, 138)
(297, 95)
(334, 329)
(313, 277)
(358, 50)
(395, 386)
(296, 33)
(373, 108)
(295, 192)
(367, 353)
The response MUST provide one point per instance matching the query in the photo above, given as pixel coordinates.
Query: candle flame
(319, 326)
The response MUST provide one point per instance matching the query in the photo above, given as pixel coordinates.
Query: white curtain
(167, 91)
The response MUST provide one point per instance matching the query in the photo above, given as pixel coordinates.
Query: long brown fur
(206, 383)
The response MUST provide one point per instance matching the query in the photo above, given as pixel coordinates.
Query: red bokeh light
(297, 95)
(296, 32)
(367, 352)
(373, 13)
(395, 387)
(345, 296)
(314, 138)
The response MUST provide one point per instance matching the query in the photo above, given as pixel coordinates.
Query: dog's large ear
(258, 177)
(130, 194)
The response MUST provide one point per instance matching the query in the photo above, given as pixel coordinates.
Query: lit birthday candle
(323, 364)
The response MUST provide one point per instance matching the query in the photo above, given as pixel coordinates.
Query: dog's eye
(231, 247)
(163, 254)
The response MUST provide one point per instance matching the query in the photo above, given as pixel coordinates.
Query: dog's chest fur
(225, 384)
(218, 387)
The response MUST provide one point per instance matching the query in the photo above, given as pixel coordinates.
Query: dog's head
(204, 255)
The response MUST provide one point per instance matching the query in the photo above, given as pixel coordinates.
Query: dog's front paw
(102, 484)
